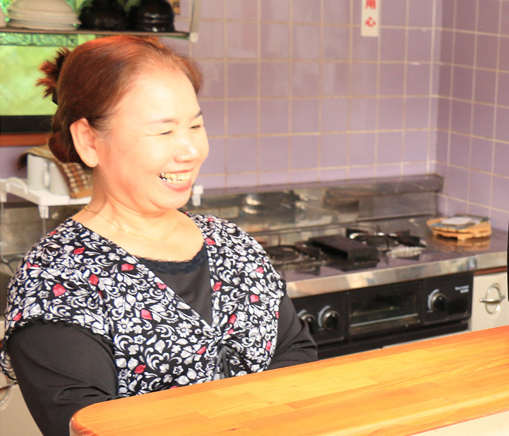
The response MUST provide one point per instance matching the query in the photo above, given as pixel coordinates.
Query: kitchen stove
(359, 261)
(349, 320)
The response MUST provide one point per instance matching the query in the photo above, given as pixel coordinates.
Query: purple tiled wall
(294, 93)
(473, 116)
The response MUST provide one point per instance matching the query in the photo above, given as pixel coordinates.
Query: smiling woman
(145, 163)
(130, 295)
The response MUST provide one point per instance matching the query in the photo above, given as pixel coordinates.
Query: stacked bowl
(42, 14)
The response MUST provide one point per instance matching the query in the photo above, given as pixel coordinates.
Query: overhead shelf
(69, 38)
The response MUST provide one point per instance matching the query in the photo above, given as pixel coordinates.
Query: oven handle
(501, 297)
(492, 300)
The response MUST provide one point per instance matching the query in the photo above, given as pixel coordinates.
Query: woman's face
(155, 144)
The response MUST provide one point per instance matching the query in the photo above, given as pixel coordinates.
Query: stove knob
(309, 319)
(437, 302)
(330, 320)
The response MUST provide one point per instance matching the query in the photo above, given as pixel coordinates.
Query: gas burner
(298, 255)
(282, 253)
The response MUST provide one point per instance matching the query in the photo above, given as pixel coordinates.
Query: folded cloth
(77, 177)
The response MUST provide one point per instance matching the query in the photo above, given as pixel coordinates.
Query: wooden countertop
(401, 390)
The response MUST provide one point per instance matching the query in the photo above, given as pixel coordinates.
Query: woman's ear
(85, 142)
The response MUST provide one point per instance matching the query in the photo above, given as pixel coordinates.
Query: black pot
(152, 16)
(103, 15)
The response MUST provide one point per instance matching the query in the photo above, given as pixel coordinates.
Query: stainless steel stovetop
(440, 257)
(289, 214)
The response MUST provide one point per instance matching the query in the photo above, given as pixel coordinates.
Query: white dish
(53, 6)
(48, 18)
(38, 25)
(42, 14)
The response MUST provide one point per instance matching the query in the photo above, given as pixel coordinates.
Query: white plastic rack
(43, 198)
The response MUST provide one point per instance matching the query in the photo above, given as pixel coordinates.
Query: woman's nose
(186, 150)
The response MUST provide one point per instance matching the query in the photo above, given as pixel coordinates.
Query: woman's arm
(295, 344)
(61, 369)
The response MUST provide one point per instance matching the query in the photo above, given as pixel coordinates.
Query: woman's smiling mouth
(176, 178)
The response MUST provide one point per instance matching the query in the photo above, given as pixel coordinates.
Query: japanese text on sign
(370, 17)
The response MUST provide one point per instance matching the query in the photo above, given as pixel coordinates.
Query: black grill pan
(348, 248)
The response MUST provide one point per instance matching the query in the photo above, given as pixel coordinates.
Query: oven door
(383, 309)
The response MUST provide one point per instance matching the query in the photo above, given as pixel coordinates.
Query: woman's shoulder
(206, 220)
(219, 231)
(54, 240)
(62, 244)
(52, 279)
(212, 225)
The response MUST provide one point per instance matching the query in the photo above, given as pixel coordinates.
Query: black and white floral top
(78, 277)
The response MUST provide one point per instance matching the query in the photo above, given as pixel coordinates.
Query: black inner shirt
(190, 280)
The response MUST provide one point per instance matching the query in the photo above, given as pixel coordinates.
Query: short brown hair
(89, 81)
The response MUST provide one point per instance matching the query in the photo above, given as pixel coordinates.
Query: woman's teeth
(175, 178)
